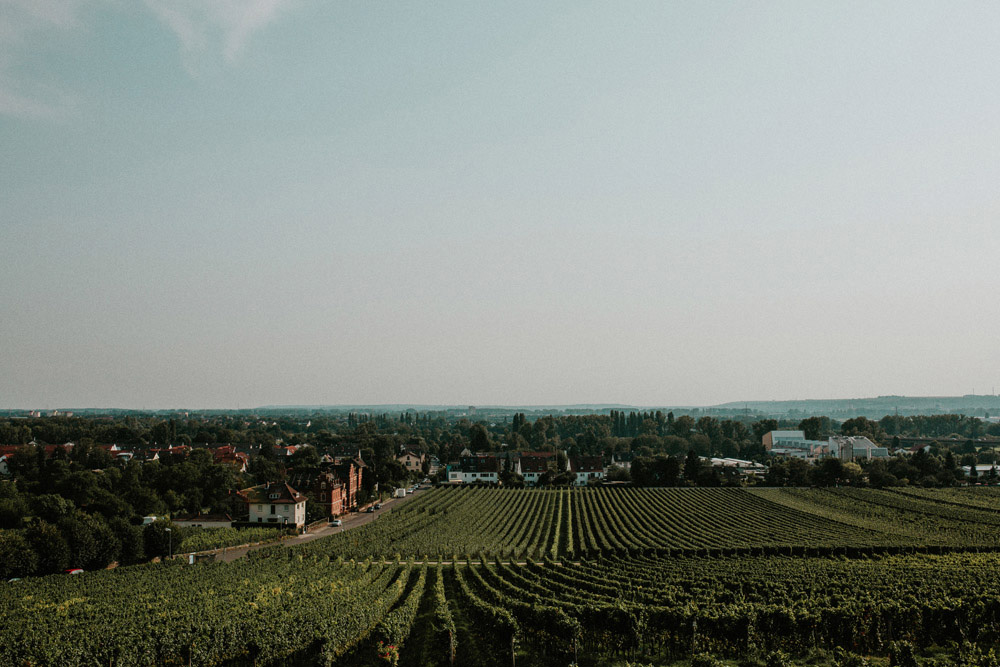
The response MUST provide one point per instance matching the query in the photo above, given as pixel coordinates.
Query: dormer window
(274, 496)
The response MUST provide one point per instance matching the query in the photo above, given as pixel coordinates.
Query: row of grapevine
(664, 609)
(264, 609)
(518, 524)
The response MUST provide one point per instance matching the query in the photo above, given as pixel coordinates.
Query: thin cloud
(204, 28)
(25, 27)
(221, 26)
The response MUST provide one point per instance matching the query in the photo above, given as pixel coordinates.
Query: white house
(586, 468)
(531, 467)
(411, 460)
(275, 503)
(481, 468)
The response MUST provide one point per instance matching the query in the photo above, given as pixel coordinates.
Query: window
(272, 509)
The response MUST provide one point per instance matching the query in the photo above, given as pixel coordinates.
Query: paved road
(352, 520)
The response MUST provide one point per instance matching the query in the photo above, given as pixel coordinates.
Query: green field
(549, 577)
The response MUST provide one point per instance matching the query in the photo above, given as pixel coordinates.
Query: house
(179, 451)
(199, 520)
(228, 455)
(622, 460)
(531, 466)
(475, 468)
(411, 460)
(275, 503)
(586, 468)
(985, 472)
(123, 456)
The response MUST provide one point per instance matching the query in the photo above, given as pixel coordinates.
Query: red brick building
(336, 487)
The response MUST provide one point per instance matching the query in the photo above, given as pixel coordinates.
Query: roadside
(352, 520)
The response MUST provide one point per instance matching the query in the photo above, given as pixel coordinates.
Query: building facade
(275, 503)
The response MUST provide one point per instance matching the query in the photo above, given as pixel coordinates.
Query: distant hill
(836, 408)
(873, 408)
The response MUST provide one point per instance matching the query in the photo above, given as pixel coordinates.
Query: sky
(225, 203)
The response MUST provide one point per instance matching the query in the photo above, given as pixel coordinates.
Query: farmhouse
(411, 460)
(586, 468)
(532, 465)
(275, 503)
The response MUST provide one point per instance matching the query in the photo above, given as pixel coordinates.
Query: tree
(12, 511)
(763, 427)
(798, 472)
(682, 426)
(80, 540)
(17, 558)
(130, 539)
(52, 550)
(863, 426)
(618, 474)
(692, 467)
(701, 444)
(829, 472)
(777, 474)
(157, 538)
(305, 458)
(53, 508)
(814, 427)
(879, 475)
(852, 473)
(479, 438)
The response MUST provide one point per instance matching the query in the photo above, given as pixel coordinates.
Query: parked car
(378, 506)
(74, 570)
(336, 522)
(369, 509)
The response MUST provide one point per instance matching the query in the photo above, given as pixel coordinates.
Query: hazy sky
(221, 203)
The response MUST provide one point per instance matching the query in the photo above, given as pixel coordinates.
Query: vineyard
(573, 523)
(553, 577)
